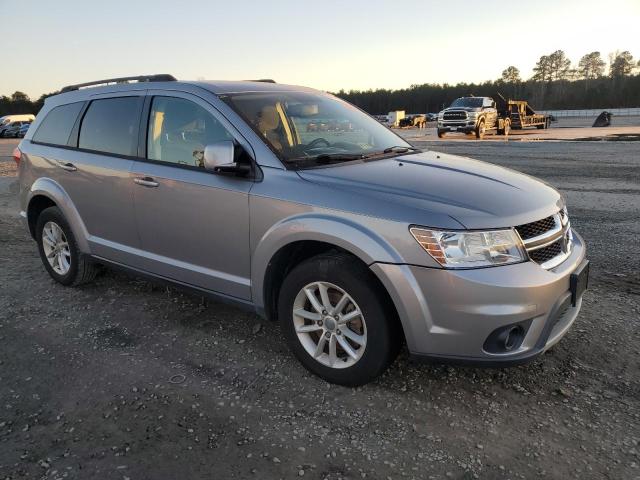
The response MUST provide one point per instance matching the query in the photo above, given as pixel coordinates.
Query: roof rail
(263, 80)
(160, 77)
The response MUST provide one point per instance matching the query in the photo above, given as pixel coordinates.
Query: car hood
(466, 109)
(476, 194)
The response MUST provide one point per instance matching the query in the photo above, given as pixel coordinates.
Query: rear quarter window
(57, 125)
(111, 126)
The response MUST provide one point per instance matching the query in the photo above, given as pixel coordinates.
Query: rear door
(97, 174)
(193, 224)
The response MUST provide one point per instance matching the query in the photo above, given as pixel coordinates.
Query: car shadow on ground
(183, 313)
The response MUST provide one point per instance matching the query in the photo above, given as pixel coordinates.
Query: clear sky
(326, 44)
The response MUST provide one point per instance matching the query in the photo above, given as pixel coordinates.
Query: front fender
(52, 190)
(341, 232)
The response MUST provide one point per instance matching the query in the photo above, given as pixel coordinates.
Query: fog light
(506, 339)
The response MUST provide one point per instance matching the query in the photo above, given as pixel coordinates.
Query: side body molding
(314, 226)
(50, 188)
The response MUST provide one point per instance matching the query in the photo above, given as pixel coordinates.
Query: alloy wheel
(56, 248)
(329, 325)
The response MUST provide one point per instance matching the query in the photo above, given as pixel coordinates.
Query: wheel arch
(45, 193)
(294, 240)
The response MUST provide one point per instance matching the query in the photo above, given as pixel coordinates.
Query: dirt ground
(125, 379)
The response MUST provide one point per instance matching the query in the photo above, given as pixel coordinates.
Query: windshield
(306, 127)
(471, 102)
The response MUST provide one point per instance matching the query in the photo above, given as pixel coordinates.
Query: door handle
(146, 181)
(69, 167)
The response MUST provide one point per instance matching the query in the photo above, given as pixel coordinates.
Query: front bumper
(464, 126)
(447, 315)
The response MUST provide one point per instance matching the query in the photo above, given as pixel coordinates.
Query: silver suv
(298, 206)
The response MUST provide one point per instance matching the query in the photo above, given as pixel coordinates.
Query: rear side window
(111, 125)
(57, 125)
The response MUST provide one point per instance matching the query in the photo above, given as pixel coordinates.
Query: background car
(13, 128)
(7, 120)
(23, 130)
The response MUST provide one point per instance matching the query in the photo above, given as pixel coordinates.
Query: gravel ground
(126, 379)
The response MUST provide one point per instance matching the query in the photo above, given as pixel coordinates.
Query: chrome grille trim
(455, 115)
(561, 232)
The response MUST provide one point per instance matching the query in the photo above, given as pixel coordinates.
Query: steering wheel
(314, 143)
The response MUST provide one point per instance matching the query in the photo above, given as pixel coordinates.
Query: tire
(440, 133)
(73, 267)
(374, 335)
(480, 130)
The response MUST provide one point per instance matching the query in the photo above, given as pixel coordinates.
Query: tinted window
(111, 125)
(471, 102)
(57, 125)
(179, 130)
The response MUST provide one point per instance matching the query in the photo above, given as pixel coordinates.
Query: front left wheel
(480, 130)
(337, 320)
(59, 251)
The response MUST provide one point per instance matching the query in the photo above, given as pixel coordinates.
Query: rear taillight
(17, 156)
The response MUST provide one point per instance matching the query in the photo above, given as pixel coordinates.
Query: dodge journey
(302, 208)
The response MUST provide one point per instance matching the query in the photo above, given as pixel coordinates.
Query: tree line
(555, 85)
(19, 102)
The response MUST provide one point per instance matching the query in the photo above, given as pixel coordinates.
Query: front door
(490, 113)
(193, 224)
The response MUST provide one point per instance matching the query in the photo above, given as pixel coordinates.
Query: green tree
(559, 65)
(591, 66)
(542, 70)
(621, 64)
(19, 97)
(511, 75)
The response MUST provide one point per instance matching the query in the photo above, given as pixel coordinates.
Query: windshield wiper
(325, 158)
(338, 156)
(328, 158)
(400, 149)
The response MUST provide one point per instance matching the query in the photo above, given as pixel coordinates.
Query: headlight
(469, 249)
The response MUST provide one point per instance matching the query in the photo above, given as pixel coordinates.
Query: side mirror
(219, 157)
(218, 154)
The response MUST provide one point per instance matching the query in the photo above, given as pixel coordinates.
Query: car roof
(217, 87)
(220, 87)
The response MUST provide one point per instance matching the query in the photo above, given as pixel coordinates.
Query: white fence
(617, 112)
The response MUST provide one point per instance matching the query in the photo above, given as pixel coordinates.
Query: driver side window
(179, 130)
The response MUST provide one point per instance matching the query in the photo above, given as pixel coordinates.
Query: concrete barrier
(594, 112)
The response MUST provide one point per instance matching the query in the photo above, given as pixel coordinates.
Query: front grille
(563, 214)
(545, 254)
(554, 232)
(534, 229)
(455, 116)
